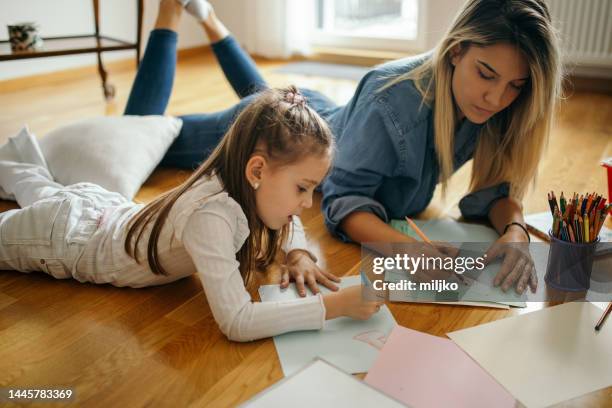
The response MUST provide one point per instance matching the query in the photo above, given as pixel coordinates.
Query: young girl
(487, 92)
(232, 215)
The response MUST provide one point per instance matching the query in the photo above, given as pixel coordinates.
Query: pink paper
(422, 370)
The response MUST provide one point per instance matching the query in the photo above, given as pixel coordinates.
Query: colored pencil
(603, 317)
(562, 201)
(578, 218)
(425, 239)
(550, 203)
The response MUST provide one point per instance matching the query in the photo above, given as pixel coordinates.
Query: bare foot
(169, 14)
(214, 28)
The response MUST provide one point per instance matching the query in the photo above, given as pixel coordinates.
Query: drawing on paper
(374, 338)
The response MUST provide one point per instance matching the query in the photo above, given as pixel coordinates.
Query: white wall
(440, 14)
(117, 19)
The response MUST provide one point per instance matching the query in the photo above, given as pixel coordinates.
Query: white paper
(352, 345)
(601, 305)
(448, 230)
(319, 385)
(544, 357)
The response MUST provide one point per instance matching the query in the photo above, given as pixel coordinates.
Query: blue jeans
(200, 133)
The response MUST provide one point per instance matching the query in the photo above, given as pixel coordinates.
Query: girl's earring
(255, 186)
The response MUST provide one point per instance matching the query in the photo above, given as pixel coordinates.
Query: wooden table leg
(139, 14)
(108, 89)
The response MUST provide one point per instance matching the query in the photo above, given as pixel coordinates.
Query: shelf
(55, 46)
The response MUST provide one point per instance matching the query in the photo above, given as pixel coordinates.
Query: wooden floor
(161, 346)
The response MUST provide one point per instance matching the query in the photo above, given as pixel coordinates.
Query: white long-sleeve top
(203, 232)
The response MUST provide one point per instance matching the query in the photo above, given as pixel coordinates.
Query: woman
(487, 91)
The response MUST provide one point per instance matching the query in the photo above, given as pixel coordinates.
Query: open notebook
(479, 293)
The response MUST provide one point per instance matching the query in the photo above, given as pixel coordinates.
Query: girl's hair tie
(295, 98)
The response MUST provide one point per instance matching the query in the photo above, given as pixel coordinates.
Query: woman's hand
(303, 270)
(517, 267)
(433, 250)
(350, 302)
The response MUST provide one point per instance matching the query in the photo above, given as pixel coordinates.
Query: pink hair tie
(295, 98)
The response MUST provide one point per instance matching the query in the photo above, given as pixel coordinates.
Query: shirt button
(42, 261)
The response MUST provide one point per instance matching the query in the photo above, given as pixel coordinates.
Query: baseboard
(582, 80)
(353, 56)
(575, 83)
(193, 52)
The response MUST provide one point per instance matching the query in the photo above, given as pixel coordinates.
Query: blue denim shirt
(386, 161)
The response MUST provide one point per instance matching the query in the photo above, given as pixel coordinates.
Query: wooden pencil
(425, 239)
(603, 317)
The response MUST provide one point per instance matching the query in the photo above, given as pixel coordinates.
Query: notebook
(480, 293)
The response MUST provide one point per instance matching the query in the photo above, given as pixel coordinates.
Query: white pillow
(118, 153)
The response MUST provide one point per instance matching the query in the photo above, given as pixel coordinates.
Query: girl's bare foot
(214, 28)
(169, 14)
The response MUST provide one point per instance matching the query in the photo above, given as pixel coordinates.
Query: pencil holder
(570, 264)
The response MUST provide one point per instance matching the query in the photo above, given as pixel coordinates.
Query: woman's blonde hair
(512, 141)
(277, 124)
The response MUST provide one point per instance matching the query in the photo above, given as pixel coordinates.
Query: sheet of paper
(423, 371)
(352, 345)
(320, 384)
(544, 357)
(601, 305)
(448, 230)
(543, 222)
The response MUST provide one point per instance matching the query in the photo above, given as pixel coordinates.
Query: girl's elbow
(234, 331)
(238, 337)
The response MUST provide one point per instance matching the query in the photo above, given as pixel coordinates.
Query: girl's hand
(303, 270)
(517, 267)
(350, 302)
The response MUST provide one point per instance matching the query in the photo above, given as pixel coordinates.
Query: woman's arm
(363, 226)
(366, 155)
(503, 212)
(367, 228)
(517, 269)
